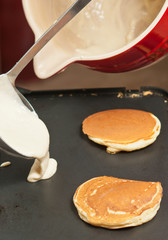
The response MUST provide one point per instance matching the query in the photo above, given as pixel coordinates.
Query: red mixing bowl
(150, 46)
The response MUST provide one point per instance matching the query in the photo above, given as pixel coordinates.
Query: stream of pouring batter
(23, 131)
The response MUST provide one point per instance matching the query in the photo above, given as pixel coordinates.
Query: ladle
(12, 74)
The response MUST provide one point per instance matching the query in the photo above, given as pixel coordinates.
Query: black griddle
(44, 210)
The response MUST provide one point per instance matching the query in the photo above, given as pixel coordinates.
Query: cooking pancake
(117, 203)
(122, 129)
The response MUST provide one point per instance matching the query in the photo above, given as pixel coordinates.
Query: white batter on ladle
(24, 132)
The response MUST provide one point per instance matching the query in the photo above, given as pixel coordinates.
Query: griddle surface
(44, 210)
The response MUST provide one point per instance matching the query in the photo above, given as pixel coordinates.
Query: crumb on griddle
(146, 93)
(5, 164)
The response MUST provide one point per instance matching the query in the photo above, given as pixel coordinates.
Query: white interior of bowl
(103, 29)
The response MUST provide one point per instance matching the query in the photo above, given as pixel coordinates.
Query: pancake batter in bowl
(24, 132)
(107, 25)
(103, 29)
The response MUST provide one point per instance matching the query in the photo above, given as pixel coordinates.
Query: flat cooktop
(44, 210)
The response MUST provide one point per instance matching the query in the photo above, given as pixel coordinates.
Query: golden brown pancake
(117, 203)
(122, 129)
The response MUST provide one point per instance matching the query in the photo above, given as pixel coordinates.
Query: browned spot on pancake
(120, 125)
